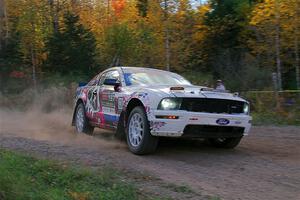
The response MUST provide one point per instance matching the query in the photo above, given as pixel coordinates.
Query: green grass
(180, 188)
(23, 177)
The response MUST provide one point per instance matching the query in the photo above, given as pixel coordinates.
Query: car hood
(190, 91)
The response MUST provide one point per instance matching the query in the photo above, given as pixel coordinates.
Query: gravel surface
(266, 165)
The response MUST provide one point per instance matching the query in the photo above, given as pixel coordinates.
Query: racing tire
(139, 139)
(226, 143)
(82, 124)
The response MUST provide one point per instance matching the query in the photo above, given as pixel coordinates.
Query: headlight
(246, 108)
(169, 104)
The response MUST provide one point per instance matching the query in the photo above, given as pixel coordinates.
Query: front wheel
(81, 122)
(227, 143)
(139, 139)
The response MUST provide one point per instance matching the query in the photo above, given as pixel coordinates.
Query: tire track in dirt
(266, 165)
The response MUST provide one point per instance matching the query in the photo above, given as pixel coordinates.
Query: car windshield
(152, 77)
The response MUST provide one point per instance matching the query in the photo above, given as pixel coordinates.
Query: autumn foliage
(118, 6)
(245, 43)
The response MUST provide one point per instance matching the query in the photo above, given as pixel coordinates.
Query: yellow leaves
(201, 30)
(264, 25)
(79, 196)
(265, 12)
(204, 9)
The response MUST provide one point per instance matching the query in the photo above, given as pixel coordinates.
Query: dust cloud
(47, 115)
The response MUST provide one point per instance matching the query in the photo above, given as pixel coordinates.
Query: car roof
(124, 68)
(130, 67)
(142, 68)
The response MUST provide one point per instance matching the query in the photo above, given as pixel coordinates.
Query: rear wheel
(227, 143)
(81, 122)
(139, 139)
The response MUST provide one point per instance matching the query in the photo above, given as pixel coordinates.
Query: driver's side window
(102, 78)
(110, 75)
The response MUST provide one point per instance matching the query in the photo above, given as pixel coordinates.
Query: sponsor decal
(120, 104)
(111, 118)
(108, 100)
(222, 121)
(155, 126)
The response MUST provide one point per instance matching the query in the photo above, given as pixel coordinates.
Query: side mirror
(81, 84)
(113, 82)
(117, 87)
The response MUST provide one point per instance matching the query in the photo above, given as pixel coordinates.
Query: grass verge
(23, 177)
(272, 118)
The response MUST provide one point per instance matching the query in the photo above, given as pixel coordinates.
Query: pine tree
(226, 21)
(72, 49)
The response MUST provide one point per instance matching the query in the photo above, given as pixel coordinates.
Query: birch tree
(297, 59)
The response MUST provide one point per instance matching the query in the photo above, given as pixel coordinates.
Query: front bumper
(196, 124)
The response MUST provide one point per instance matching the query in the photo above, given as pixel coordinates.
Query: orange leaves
(118, 6)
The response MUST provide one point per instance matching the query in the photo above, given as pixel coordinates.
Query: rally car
(143, 104)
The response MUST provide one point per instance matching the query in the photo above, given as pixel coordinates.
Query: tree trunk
(277, 46)
(33, 56)
(33, 63)
(108, 7)
(167, 47)
(6, 24)
(1, 23)
(297, 62)
(54, 9)
(297, 46)
(4, 32)
(167, 35)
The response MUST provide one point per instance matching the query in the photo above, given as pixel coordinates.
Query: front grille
(212, 105)
(209, 131)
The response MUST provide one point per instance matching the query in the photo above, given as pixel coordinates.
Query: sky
(196, 3)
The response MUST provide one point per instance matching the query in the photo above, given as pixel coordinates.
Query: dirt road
(266, 165)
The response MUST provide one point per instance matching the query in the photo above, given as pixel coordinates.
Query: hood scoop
(177, 88)
(213, 90)
(202, 92)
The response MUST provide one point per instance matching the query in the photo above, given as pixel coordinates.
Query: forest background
(252, 45)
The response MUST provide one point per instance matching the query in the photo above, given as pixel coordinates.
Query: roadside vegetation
(271, 108)
(250, 44)
(274, 119)
(24, 177)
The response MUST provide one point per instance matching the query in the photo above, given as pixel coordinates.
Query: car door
(92, 104)
(110, 116)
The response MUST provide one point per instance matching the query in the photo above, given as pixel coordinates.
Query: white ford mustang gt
(144, 104)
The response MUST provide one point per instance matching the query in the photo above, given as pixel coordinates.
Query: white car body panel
(100, 110)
